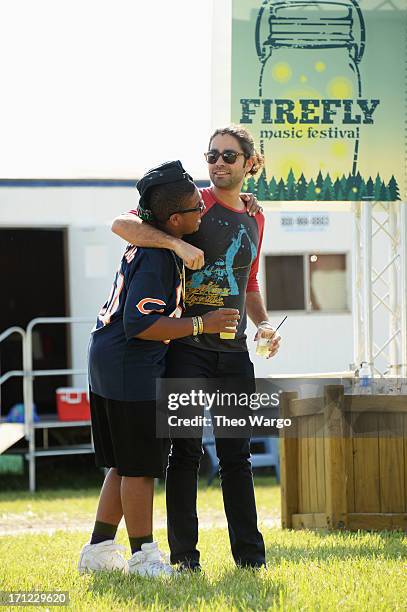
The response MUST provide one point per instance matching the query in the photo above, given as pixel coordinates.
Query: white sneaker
(150, 561)
(106, 555)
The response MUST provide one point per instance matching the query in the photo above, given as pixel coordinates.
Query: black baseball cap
(169, 172)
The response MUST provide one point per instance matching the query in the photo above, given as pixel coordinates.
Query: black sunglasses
(228, 155)
(200, 207)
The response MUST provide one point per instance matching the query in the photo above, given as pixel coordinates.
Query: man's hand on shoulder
(252, 205)
(193, 257)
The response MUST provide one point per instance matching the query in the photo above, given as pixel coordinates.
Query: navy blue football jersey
(147, 285)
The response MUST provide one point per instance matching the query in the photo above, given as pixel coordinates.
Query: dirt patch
(28, 522)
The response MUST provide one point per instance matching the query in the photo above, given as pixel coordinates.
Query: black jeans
(246, 541)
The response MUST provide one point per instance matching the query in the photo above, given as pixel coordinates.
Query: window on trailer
(307, 282)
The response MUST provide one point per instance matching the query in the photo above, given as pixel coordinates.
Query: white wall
(63, 206)
(314, 341)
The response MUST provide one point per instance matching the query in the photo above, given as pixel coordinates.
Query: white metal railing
(28, 375)
(29, 383)
(12, 373)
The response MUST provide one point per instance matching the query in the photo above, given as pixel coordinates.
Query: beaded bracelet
(196, 326)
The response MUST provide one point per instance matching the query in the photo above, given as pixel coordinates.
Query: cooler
(73, 404)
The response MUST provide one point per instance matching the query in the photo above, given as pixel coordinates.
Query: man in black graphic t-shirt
(230, 241)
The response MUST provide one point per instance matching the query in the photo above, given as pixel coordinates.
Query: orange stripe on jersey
(176, 314)
(142, 303)
(130, 254)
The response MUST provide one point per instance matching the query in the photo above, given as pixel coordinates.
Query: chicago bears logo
(143, 302)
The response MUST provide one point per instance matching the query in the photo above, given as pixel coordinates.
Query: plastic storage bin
(73, 404)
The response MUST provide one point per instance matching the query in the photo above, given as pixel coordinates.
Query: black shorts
(124, 437)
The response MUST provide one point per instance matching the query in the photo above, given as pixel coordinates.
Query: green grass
(306, 570)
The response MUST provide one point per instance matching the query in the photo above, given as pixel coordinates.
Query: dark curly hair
(245, 140)
(169, 198)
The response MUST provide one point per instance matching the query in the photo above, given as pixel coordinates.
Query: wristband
(264, 323)
(196, 326)
(200, 325)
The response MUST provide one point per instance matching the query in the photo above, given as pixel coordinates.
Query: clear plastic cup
(227, 335)
(263, 344)
(263, 347)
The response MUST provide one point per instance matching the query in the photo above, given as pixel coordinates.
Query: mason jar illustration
(309, 52)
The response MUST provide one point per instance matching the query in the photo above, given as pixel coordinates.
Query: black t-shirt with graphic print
(231, 241)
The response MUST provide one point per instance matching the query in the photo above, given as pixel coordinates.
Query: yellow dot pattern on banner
(339, 149)
(282, 72)
(340, 87)
(320, 66)
(317, 190)
(303, 78)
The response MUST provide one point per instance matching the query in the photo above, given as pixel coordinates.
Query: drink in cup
(263, 346)
(228, 335)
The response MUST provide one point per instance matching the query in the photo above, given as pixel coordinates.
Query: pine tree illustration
(349, 182)
(358, 180)
(384, 193)
(311, 194)
(319, 186)
(273, 189)
(251, 185)
(340, 194)
(336, 188)
(291, 192)
(377, 187)
(328, 188)
(362, 193)
(393, 189)
(262, 190)
(344, 187)
(302, 188)
(369, 188)
(351, 188)
(281, 191)
(327, 194)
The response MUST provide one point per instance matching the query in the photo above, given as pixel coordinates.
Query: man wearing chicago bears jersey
(223, 257)
(126, 354)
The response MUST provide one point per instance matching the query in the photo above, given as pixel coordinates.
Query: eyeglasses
(201, 207)
(228, 155)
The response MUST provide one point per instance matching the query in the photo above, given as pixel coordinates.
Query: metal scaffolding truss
(380, 287)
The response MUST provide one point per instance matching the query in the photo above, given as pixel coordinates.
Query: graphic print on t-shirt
(220, 278)
(231, 241)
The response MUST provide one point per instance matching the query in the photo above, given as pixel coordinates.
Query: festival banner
(322, 85)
